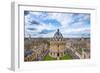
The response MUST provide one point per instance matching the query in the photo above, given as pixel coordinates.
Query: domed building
(57, 45)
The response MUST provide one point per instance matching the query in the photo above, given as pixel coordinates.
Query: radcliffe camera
(50, 36)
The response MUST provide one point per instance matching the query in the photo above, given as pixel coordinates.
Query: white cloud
(63, 19)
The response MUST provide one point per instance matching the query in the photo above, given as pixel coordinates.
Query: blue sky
(45, 24)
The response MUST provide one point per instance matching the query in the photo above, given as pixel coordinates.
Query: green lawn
(66, 57)
(49, 58)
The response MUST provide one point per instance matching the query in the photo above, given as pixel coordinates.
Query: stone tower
(57, 45)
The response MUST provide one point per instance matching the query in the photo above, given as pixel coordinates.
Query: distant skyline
(45, 24)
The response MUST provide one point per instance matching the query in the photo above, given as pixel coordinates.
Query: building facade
(57, 45)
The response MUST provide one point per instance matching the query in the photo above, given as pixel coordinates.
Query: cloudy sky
(45, 24)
